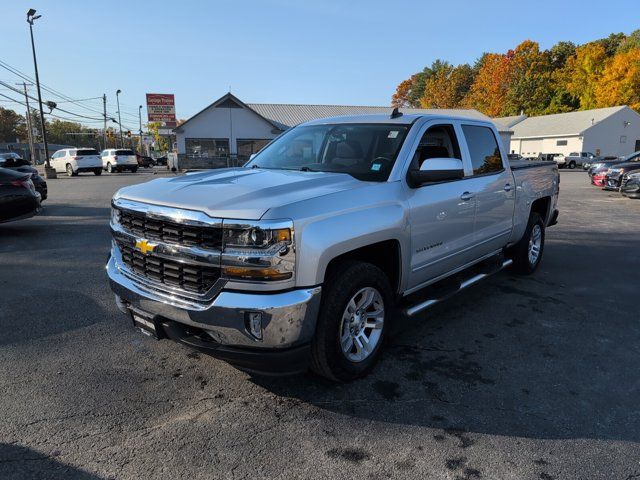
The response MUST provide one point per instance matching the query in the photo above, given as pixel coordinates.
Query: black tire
(327, 357)
(519, 253)
(134, 170)
(97, 172)
(572, 165)
(109, 167)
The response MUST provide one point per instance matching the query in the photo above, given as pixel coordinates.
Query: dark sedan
(18, 196)
(145, 161)
(631, 185)
(15, 162)
(613, 180)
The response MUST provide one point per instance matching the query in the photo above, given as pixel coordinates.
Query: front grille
(138, 224)
(192, 278)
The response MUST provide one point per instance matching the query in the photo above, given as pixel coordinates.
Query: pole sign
(161, 107)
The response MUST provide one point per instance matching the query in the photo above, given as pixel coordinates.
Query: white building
(231, 127)
(611, 131)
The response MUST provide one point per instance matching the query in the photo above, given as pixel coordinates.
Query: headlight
(115, 216)
(258, 251)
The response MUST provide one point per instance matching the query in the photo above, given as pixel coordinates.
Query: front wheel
(527, 253)
(134, 169)
(572, 165)
(352, 321)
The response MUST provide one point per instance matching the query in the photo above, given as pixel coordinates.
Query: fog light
(253, 321)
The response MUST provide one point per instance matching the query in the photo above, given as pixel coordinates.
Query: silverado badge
(145, 246)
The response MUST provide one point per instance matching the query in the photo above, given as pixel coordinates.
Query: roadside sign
(161, 107)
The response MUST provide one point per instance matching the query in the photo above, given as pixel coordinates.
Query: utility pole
(119, 119)
(140, 120)
(104, 112)
(48, 171)
(32, 149)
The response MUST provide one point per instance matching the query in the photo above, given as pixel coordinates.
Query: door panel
(442, 233)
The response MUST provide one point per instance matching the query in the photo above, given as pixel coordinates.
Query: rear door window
(124, 152)
(483, 149)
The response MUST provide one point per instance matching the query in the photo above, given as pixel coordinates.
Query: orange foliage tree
(489, 90)
(620, 81)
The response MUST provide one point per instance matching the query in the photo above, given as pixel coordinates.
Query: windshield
(364, 151)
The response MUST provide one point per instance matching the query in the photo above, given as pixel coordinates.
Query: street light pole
(48, 171)
(140, 120)
(104, 112)
(119, 120)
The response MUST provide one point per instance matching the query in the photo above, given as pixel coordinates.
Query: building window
(207, 147)
(246, 147)
(561, 143)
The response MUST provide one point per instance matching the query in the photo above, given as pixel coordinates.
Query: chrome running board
(419, 307)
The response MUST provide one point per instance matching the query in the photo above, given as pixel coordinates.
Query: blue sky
(281, 51)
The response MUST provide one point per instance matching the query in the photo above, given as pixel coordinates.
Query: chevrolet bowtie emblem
(145, 246)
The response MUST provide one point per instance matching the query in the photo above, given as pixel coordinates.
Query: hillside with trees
(602, 73)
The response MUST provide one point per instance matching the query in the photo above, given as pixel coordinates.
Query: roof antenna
(396, 113)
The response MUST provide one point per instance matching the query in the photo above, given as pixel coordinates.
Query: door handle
(507, 187)
(466, 196)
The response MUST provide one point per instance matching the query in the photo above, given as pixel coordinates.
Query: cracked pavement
(516, 378)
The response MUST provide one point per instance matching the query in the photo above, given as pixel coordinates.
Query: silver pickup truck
(303, 257)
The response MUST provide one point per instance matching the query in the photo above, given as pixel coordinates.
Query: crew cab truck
(300, 257)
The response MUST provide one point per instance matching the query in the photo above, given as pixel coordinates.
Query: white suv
(77, 160)
(119, 159)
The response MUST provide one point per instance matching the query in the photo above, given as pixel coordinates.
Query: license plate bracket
(146, 324)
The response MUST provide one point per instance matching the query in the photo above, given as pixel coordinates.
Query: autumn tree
(489, 90)
(447, 87)
(620, 81)
(529, 80)
(409, 92)
(583, 72)
(630, 42)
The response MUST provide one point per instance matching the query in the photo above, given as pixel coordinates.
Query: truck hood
(241, 193)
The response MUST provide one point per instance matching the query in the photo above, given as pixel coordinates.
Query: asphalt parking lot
(517, 378)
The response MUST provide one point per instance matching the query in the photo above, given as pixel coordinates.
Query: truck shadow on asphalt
(22, 462)
(511, 357)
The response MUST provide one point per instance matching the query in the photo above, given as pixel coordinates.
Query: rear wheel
(134, 169)
(527, 253)
(70, 172)
(97, 171)
(572, 165)
(109, 167)
(351, 324)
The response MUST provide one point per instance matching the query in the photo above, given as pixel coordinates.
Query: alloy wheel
(361, 324)
(535, 244)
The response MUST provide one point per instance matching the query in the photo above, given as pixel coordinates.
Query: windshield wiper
(307, 169)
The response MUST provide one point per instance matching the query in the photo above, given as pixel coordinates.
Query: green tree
(611, 43)
(161, 143)
(12, 126)
(560, 53)
(529, 80)
(630, 42)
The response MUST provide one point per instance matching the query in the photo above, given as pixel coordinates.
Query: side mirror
(252, 156)
(436, 170)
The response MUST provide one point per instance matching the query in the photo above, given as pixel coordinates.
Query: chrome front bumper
(288, 318)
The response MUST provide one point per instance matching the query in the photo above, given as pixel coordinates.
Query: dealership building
(613, 131)
(230, 127)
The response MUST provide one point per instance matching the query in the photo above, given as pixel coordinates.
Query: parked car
(596, 161)
(547, 157)
(300, 255)
(145, 161)
(76, 160)
(18, 196)
(613, 179)
(631, 185)
(599, 166)
(573, 160)
(161, 160)
(15, 162)
(119, 160)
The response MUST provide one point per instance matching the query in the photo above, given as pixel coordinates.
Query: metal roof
(509, 122)
(559, 124)
(284, 115)
(289, 115)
